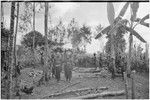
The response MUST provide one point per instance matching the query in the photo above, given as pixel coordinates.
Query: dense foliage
(28, 39)
(119, 46)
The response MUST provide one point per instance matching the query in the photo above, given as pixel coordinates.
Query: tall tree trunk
(147, 55)
(15, 36)
(33, 25)
(2, 15)
(34, 31)
(15, 52)
(46, 42)
(10, 68)
(129, 55)
(130, 51)
(113, 55)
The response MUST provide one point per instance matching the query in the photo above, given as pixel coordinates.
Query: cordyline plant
(125, 24)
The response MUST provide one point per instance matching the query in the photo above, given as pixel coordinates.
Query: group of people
(61, 62)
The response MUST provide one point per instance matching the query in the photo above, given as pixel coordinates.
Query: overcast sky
(88, 13)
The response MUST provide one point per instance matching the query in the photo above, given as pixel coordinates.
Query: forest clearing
(56, 50)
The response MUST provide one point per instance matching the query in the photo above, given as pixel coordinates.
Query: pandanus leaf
(134, 33)
(123, 10)
(104, 31)
(110, 12)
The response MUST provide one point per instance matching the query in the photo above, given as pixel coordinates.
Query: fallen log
(96, 71)
(67, 87)
(103, 94)
(91, 71)
(73, 91)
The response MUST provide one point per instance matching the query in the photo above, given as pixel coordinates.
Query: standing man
(95, 61)
(100, 61)
(58, 67)
(123, 65)
(68, 67)
(17, 72)
(42, 58)
(53, 65)
(18, 67)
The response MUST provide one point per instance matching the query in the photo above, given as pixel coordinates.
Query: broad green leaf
(104, 31)
(134, 7)
(134, 33)
(123, 10)
(110, 12)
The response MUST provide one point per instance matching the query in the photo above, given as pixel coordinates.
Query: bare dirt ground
(87, 80)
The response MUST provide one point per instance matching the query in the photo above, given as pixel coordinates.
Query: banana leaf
(123, 10)
(144, 18)
(145, 24)
(119, 18)
(134, 7)
(110, 12)
(134, 33)
(104, 31)
(107, 29)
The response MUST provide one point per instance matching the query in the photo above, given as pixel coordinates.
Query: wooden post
(133, 85)
(126, 84)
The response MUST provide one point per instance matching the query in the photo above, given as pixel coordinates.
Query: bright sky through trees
(91, 14)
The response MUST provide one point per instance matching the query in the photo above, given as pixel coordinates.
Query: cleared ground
(82, 79)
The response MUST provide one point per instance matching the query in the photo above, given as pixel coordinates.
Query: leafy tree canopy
(28, 39)
(78, 35)
(39, 40)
